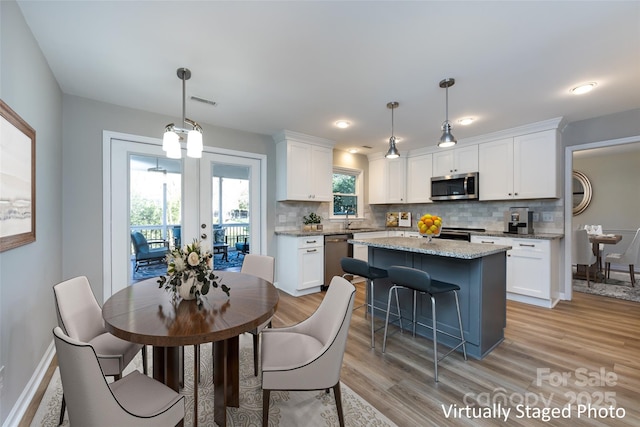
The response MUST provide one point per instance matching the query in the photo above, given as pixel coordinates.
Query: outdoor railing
(234, 233)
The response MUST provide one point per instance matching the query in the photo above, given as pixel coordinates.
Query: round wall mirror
(582, 192)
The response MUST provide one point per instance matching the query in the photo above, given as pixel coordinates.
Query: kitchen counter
(301, 233)
(437, 247)
(540, 236)
(479, 270)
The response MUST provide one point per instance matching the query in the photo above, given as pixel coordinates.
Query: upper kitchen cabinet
(520, 167)
(455, 161)
(387, 180)
(304, 167)
(419, 173)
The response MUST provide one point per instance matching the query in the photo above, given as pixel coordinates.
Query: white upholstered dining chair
(308, 355)
(261, 266)
(135, 400)
(582, 251)
(80, 317)
(630, 257)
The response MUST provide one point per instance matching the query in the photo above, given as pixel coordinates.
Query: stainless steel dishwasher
(335, 248)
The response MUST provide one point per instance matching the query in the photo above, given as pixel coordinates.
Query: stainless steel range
(458, 233)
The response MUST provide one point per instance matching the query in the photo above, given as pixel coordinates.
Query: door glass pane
(230, 206)
(155, 203)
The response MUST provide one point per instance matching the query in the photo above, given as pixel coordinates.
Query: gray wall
(28, 272)
(613, 126)
(84, 122)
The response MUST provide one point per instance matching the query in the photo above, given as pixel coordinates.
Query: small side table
(221, 247)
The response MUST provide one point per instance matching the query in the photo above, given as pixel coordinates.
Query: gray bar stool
(420, 281)
(357, 267)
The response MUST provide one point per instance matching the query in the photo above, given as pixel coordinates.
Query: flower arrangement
(193, 268)
(313, 218)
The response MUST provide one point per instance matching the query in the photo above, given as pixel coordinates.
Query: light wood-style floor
(583, 351)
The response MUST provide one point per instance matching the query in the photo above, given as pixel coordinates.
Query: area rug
(288, 408)
(618, 286)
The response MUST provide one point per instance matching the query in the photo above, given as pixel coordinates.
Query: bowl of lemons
(430, 225)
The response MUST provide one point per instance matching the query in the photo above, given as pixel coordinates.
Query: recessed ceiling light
(353, 150)
(466, 121)
(343, 124)
(583, 88)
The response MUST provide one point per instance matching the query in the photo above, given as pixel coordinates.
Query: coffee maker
(518, 220)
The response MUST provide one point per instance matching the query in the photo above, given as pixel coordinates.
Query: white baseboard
(21, 405)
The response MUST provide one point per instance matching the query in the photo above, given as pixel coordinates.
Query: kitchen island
(479, 270)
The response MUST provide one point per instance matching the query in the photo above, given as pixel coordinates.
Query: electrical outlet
(536, 217)
(282, 218)
(547, 216)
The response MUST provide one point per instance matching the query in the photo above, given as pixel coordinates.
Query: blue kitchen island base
(482, 296)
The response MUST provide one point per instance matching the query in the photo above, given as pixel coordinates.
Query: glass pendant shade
(194, 144)
(393, 152)
(170, 139)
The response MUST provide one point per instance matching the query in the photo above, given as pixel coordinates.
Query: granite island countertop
(438, 247)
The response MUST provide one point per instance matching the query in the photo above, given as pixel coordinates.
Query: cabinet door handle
(312, 250)
(527, 245)
(484, 241)
(312, 241)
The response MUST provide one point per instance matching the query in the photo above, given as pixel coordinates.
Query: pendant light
(173, 134)
(447, 139)
(393, 152)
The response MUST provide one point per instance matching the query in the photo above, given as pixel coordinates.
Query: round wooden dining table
(144, 314)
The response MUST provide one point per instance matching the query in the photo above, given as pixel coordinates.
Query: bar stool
(420, 281)
(357, 267)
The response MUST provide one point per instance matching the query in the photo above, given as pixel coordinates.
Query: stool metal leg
(370, 303)
(464, 349)
(435, 338)
(413, 318)
(393, 289)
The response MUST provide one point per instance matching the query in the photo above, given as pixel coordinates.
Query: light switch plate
(547, 216)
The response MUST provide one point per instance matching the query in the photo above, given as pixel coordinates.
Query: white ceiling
(302, 65)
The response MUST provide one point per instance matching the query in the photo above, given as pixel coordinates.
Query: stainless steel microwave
(462, 186)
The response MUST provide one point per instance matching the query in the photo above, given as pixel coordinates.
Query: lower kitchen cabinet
(532, 268)
(300, 264)
(361, 251)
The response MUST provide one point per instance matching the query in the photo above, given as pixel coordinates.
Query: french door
(199, 199)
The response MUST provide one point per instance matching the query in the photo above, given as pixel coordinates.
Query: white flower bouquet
(190, 273)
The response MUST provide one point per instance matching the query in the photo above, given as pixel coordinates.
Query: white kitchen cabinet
(300, 264)
(387, 180)
(455, 161)
(532, 268)
(362, 251)
(419, 173)
(521, 167)
(304, 167)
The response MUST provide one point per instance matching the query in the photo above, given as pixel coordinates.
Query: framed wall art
(17, 180)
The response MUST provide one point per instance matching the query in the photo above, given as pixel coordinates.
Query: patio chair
(148, 251)
(242, 247)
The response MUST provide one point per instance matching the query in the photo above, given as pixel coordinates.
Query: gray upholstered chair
(261, 266)
(630, 257)
(80, 317)
(308, 355)
(135, 400)
(582, 251)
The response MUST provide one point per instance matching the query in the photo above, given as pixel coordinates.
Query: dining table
(596, 240)
(145, 314)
